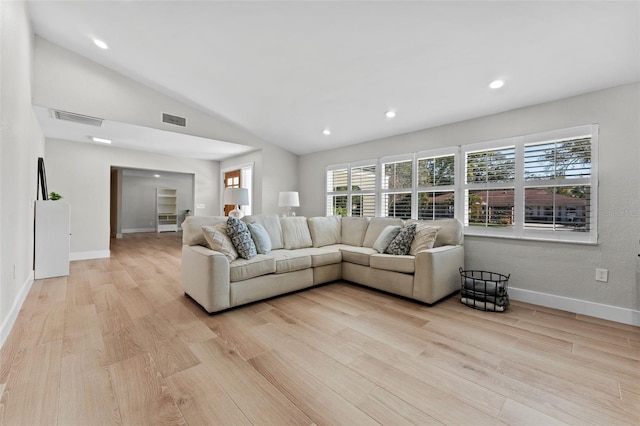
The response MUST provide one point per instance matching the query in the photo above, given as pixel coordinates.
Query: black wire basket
(484, 290)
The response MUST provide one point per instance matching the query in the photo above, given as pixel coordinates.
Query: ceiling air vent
(174, 119)
(77, 118)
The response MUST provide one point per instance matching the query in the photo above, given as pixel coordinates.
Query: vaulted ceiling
(287, 70)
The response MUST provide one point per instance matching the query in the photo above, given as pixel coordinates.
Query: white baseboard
(583, 307)
(8, 322)
(134, 230)
(84, 255)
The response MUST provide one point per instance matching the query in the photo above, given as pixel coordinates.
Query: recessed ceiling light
(496, 84)
(101, 44)
(156, 176)
(390, 114)
(326, 132)
(100, 140)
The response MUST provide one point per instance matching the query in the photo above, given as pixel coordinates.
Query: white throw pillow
(424, 239)
(386, 236)
(218, 240)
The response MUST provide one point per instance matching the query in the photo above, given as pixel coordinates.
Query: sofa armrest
(437, 273)
(204, 276)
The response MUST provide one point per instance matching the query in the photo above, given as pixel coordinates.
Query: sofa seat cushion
(358, 255)
(322, 257)
(394, 263)
(243, 269)
(291, 260)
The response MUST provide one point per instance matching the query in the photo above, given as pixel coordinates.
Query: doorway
(232, 179)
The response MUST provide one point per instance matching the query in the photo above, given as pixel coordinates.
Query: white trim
(134, 230)
(84, 255)
(583, 307)
(10, 320)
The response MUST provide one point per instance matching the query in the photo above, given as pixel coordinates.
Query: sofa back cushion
(295, 232)
(271, 223)
(353, 230)
(376, 225)
(192, 228)
(325, 230)
(450, 232)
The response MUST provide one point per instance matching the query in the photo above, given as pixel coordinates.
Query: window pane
(363, 178)
(491, 166)
(397, 175)
(491, 208)
(558, 160)
(363, 205)
(565, 208)
(436, 171)
(397, 205)
(436, 205)
(573, 158)
(337, 180)
(337, 205)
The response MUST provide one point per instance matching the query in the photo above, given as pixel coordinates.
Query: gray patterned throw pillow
(241, 238)
(402, 243)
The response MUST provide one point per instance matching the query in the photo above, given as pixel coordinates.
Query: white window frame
(349, 193)
(330, 194)
(362, 192)
(437, 153)
(518, 231)
(382, 192)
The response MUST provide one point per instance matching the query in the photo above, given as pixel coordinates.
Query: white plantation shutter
(557, 185)
(337, 181)
(541, 186)
(397, 191)
(351, 189)
(436, 186)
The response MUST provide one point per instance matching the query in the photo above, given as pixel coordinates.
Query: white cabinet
(166, 209)
(52, 238)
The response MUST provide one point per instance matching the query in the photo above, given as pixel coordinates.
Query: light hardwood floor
(117, 342)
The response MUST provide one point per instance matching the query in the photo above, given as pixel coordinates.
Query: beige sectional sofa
(308, 252)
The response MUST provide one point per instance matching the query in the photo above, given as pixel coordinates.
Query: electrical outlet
(602, 275)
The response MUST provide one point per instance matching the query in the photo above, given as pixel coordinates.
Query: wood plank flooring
(117, 342)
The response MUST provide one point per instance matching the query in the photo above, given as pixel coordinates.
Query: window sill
(587, 239)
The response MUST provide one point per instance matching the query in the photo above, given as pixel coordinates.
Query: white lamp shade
(236, 196)
(288, 199)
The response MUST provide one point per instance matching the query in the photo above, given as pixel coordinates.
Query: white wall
(138, 201)
(21, 143)
(275, 170)
(66, 81)
(81, 172)
(564, 270)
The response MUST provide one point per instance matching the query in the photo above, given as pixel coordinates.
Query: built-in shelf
(166, 210)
